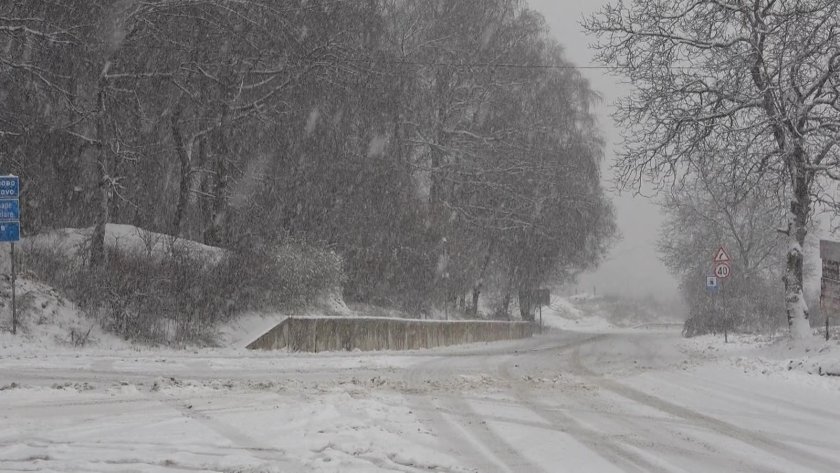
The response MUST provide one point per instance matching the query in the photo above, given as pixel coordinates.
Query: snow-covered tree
(759, 79)
(708, 211)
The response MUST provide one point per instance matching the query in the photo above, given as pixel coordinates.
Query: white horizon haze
(633, 265)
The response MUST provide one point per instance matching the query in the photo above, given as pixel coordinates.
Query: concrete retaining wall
(314, 334)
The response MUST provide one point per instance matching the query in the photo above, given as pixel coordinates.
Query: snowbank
(565, 315)
(47, 321)
(73, 244)
(127, 238)
(774, 354)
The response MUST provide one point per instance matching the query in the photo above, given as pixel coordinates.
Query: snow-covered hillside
(122, 238)
(47, 320)
(149, 282)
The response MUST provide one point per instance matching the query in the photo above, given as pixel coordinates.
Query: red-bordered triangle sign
(721, 256)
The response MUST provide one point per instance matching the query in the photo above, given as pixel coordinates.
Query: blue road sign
(9, 187)
(10, 231)
(712, 284)
(9, 210)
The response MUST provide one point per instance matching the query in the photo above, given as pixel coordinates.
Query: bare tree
(758, 78)
(707, 211)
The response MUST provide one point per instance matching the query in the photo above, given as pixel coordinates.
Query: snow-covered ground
(598, 399)
(564, 315)
(772, 355)
(47, 321)
(125, 238)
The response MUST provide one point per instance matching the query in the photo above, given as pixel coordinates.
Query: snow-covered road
(614, 401)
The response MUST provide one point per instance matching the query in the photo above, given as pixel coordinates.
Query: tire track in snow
(771, 446)
(767, 398)
(453, 437)
(623, 450)
(652, 436)
(624, 458)
(274, 455)
(599, 443)
(465, 431)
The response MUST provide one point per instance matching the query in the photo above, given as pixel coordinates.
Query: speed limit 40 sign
(722, 270)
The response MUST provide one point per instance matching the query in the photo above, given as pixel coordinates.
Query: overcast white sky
(633, 266)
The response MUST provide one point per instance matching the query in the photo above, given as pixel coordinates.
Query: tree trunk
(525, 305)
(476, 292)
(204, 185)
(436, 184)
(797, 308)
(97, 243)
(506, 306)
(438, 157)
(479, 284)
(213, 233)
(186, 172)
(220, 152)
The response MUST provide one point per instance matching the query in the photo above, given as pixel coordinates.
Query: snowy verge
(565, 315)
(47, 320)
(126, 238)
(74, 244)
(774, 354)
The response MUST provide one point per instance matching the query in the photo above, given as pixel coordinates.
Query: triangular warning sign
(722, 256)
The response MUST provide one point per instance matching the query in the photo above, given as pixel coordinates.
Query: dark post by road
(14, 308)
(725, 319)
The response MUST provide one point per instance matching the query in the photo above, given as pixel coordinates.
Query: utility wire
(488, 65)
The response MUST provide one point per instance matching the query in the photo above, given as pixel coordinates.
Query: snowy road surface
(564, 401)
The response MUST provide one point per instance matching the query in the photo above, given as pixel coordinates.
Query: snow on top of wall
(243, 330)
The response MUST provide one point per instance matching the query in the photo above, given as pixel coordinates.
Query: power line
(488, 65)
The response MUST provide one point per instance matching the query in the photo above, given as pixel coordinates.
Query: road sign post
(723, 270)
(540, 297)
(10, 227)
(725, 319)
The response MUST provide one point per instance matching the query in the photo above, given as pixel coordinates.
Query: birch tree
(758, 78)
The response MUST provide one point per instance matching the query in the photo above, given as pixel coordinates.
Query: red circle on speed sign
(722, 270)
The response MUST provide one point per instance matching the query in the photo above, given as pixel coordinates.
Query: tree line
(441, 148)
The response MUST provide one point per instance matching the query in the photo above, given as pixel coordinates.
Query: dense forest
(439, 148)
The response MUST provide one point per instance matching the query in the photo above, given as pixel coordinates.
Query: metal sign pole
(826, 326)
(14, 307)
(725, 320)
(723, 270)
(10, 227)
